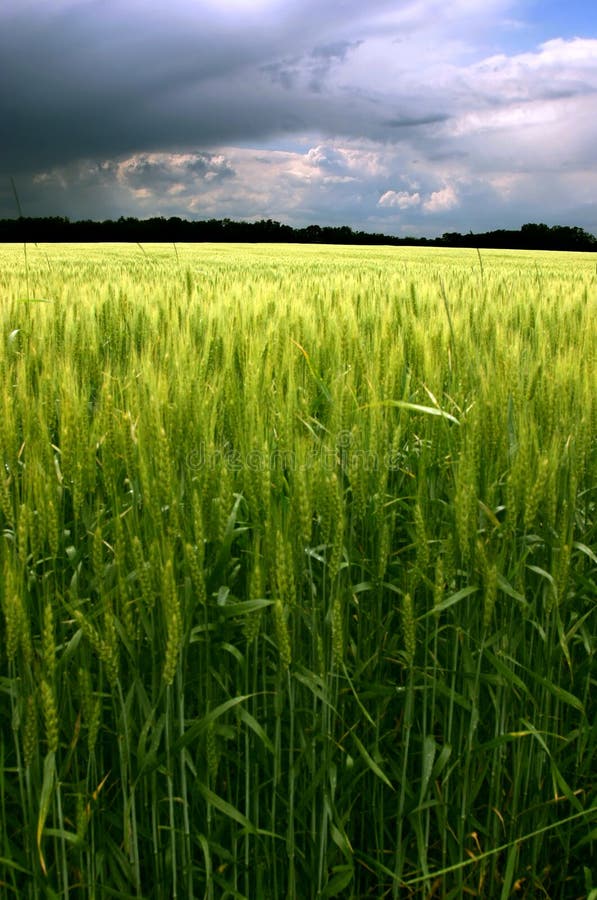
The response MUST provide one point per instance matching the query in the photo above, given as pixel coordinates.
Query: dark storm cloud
(93, 79)
(312, 69)
(89, 80)
(323, 58)
(162, 174)
(337, 50)
(393, 113)
(415, 121)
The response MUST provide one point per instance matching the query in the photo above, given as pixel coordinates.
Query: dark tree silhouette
(60, 229)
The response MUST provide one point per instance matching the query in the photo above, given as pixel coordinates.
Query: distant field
(298, 581)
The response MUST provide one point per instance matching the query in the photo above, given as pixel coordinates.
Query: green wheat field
(298, 581)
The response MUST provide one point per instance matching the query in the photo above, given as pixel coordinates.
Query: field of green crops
(298, 584)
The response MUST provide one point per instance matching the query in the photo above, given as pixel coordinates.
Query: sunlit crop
(297, 572)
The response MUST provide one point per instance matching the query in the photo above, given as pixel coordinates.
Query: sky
(409, 117)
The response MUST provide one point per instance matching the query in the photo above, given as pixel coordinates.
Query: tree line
(60, 229)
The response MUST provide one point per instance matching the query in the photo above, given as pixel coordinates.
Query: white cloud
(442, 200)
(328, 158)
(432, 195)
(401, 199)
(168, 170)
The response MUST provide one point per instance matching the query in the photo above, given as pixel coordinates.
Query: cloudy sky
(402, 116)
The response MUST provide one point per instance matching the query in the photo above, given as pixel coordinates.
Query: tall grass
(297, 573)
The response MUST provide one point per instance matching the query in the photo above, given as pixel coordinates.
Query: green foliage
(297, 573)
